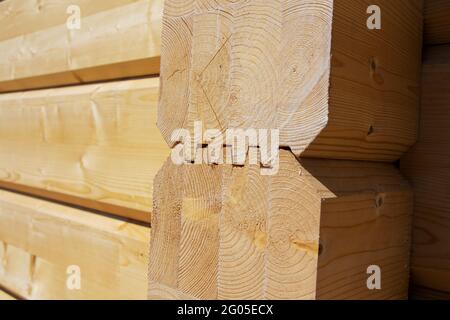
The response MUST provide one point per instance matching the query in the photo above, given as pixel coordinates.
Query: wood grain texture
(426, 165)
(308, 232)
(437, 22)
(186, 241)
(117, 43)
(22, 17)
(310, 68)
(40, 239)
(374, 82)
(93, 145)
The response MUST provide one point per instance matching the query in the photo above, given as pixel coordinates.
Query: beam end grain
(334, 88)
(308, 232)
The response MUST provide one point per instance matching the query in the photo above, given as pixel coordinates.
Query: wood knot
(379, 201)
(375, 72)
(373, 64)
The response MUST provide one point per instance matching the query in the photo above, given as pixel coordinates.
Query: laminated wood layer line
(121, 42)
(312, 69)
(95, 146)
(42, 242)
(427, 167)
(309, 232)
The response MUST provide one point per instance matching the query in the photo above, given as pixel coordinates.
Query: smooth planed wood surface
(312, 69)
(427, 167)
(374, 82)
(308, 232)
(22, 17)
(437, 22)
(39, 240)
(93, 145)
(121, 42)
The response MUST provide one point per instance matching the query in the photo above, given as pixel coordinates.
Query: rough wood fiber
(309, 232)
(40, 239)
(334, 88)
(437, 22)
(117, 43)
(93, 145)
(427, 167)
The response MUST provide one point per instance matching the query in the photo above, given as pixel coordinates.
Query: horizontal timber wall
(39, 240)
(84, 145)
(22, 17)
(92, 145)
(117, 43)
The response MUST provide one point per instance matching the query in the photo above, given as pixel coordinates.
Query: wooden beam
(95, 145)
(309, 232)
(334, 88)
(22, 17)
(427, 167)
(39, 240)
(437, 22)
(117, 43)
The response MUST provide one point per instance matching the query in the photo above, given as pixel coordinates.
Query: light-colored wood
(22, 17)
(117, 43)
(39, 240)
(312, 69)
(4, 296)
(308, 232)
(93, 145)
(437, 22)
(427, 167)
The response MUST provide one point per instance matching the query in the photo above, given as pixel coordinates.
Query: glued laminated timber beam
(40, 241)
(310, 68)
(95, 146)
(309, 232)
(121, 42)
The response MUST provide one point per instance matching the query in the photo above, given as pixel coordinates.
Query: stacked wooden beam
(123, 41)
(91, 145)
(88, 151)
(345, 101)
(427, 164)
(41, 240)
(83, 166)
